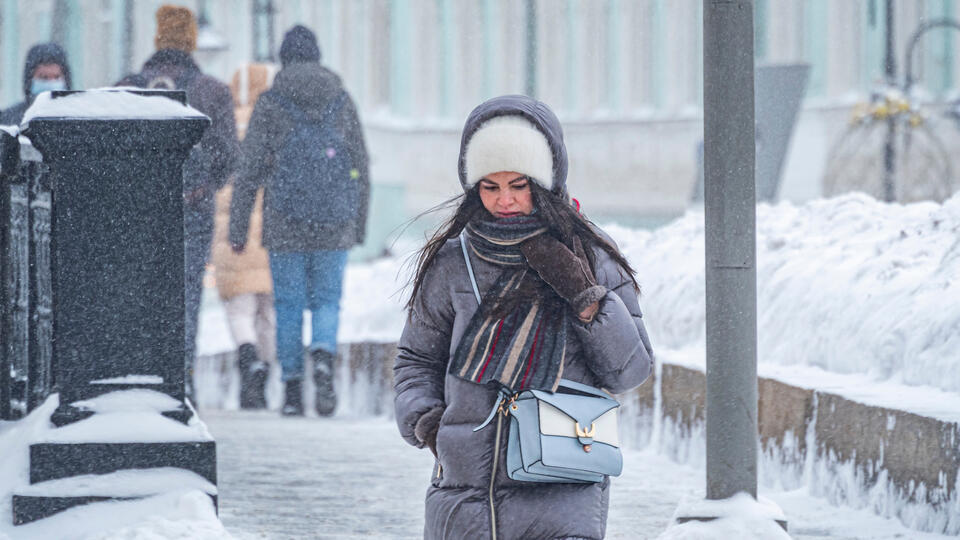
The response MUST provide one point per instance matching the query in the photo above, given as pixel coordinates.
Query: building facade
(623, 75)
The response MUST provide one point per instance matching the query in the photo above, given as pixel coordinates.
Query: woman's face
(506, 194)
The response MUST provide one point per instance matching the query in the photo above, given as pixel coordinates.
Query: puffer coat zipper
(493, 476)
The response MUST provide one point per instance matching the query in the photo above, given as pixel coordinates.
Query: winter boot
(326, 398)
(253, 378)
(293, 398)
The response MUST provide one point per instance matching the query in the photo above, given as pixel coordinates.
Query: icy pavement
(355, 478)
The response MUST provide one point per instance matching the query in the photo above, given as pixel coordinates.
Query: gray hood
(538, 113)
(309, 85)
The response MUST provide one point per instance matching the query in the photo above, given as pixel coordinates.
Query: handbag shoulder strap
(466, 258)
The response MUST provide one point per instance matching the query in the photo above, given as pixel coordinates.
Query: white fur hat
(509, 143)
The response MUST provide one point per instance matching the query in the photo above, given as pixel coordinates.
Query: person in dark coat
(538, 261)
(307, 227)
(46, 68)
(210, 162)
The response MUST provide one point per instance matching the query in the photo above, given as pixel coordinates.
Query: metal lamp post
(731, 276)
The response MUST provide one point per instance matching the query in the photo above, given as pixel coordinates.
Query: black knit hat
(299, 45)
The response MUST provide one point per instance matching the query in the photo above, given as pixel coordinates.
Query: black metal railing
(26, 317)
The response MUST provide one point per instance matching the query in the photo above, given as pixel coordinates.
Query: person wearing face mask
(46, 69)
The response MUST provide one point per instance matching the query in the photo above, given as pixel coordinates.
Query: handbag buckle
(586, 433)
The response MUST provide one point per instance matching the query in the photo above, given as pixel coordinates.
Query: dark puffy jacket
(215, 156)
(465, 496)
(470, 495)
(310, 87)
(44, 53)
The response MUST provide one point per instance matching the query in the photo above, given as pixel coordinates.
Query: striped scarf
(525, 347)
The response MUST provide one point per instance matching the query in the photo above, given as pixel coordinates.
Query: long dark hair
(561, 219)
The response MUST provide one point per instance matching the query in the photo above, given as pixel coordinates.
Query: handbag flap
(583, 409)
(605, 428)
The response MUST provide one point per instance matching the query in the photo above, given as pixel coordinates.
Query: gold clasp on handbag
(585, 433)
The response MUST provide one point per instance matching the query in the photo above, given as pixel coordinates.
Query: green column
(491, 56)
(937, 47)
(948, 48)
(12, 68)
(445, 55)
(571, 96)
(73, 43)
(815, 44)
(760, 15)
(699, 38)
(401, 38)
(614, 16)
(360, 54)
(872, 35)
(658, 47)
(116, 41)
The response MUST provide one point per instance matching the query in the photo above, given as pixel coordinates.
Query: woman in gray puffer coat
(558, 300)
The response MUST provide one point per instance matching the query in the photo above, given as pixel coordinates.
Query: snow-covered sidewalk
(355, 478)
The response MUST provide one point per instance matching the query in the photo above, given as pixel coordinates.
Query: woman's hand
(588, 314)
(567, 272)
(427, 427)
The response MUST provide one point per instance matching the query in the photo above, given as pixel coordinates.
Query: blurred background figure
(211, 161)
(46, 68)
(243, 279)
(315, 209)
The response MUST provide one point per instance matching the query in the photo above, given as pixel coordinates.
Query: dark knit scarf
(523, 347)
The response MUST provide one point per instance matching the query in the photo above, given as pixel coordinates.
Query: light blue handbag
(567, 436)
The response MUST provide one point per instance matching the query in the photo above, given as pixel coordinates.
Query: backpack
(314, 178)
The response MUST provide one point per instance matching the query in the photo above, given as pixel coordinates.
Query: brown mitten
(427, 427)
(567, 272)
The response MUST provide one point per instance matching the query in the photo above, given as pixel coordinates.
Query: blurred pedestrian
(305, 145)
(210, 162)
(46, 68)
(558, 299)
(243, 279)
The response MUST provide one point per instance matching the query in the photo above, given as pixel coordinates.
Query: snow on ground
(183, 510)
(287, 478)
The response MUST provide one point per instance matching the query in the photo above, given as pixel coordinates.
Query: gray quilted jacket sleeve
(615, 343)
(423, 352)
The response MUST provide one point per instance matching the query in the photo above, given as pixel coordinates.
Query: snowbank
(739, 517)
(183, 510)
(847, 285)
(850, 285)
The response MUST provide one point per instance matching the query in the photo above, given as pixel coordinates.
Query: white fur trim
(509, 143)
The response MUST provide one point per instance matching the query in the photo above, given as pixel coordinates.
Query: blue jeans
(314, 281)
